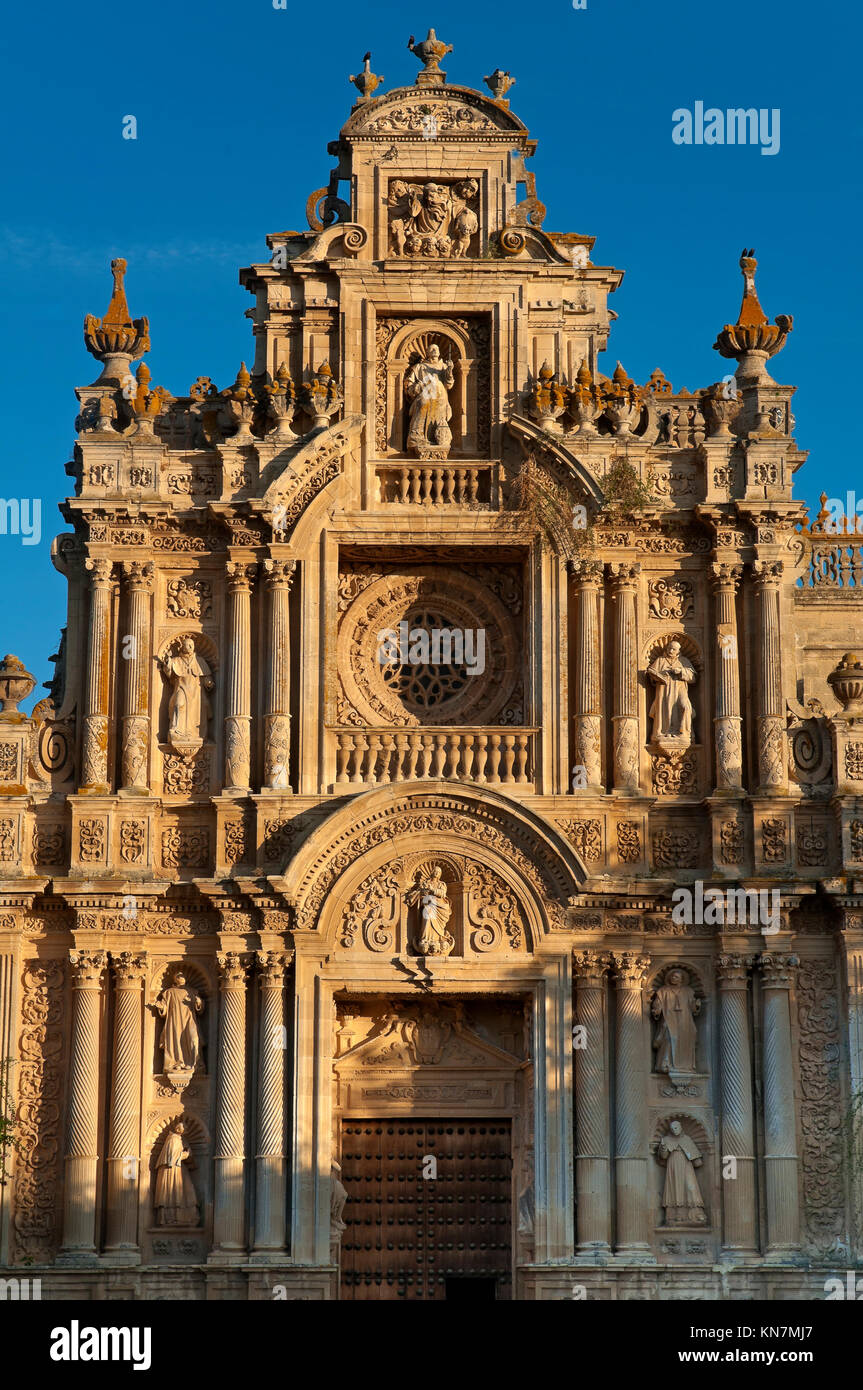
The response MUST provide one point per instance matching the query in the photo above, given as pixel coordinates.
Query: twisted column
(135, 649)
(271, 1160)
(768, 695)
(726, 724)
(82, 1157)
(739, 1227)
(277, 720)
(229, 1155)
(631, 1076)
(780, 1129)
(624, 585)
(592, 1129)
(94, 741)
(238, 717)
(587, 717)
(125, 1120)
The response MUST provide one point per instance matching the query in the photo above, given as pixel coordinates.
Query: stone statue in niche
(671, 710)
(432, 219)
(681, 1197)
(676, 1005)
(427, 385)
(175, 1202)
(188, 707)
(180, 1041)
(430, 896)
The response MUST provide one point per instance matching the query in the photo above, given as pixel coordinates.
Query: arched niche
(407, 345)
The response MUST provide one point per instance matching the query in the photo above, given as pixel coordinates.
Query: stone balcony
(495, 756)
(439, 484)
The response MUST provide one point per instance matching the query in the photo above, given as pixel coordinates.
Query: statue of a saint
(671, 710)
(188, 707)
(176, 1201)
(681, 1197)
(676, 1005)
(430, 893)
(426, 386)
(180, 1040)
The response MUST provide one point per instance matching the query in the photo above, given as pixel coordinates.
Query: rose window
(422, 685)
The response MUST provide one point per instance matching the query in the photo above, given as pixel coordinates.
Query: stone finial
(16, 684)
(322, 396)
(846, 682)
(116, 339)
(146, 403)
(366, 82)
(430, 52)
(751, 340)
(499, 83)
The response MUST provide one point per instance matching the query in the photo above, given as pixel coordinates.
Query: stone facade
(407, 681)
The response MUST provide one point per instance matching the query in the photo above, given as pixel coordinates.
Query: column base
(227, 1258)
(593, 1253)
(77, 1259)
(634, 1255)
(121, 1258)
(268, 1257)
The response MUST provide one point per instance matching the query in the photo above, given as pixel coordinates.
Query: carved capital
(279, 574)
(767, 574)
(233, 968)
(129, 968)
(138, 575)
(630, 969)
(590, 968)
(778, 969)
(732, 970)
(100, 571)
(272, 967)
(240, 577)
(725, 575)
(624, 575)
(586, 573)
(87, 968)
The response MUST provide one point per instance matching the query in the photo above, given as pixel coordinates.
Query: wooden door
(431, 1238)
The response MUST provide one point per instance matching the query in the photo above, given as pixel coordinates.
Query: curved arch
(527, 849)
(292, 485)
(375, 118)
(525, 430)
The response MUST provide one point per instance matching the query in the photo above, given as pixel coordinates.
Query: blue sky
(235, 104)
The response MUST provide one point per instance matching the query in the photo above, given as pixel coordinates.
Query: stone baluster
(592, 1137)
(780, 1129)
(82, 1145)
(238, 683)
(587, 718)
(772, 761)
(277, 720)
(229, 1158)
(624, 586)
(630, 1128)
(739, 1226)
(94, 742)
(124, 1158)
(726, 724)
(271, 1161)
(135, 648)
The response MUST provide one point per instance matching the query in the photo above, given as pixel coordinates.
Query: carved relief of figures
(676, 1005)
(426, 386)
(178, 1005)
(432, 219)
(175, 1202)
(671, 710)
(681, 1197)
(188, 707)
(429, 894)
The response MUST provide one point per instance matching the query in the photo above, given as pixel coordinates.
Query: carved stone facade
(449, 739)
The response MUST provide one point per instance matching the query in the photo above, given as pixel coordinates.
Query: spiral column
(229, 1157)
